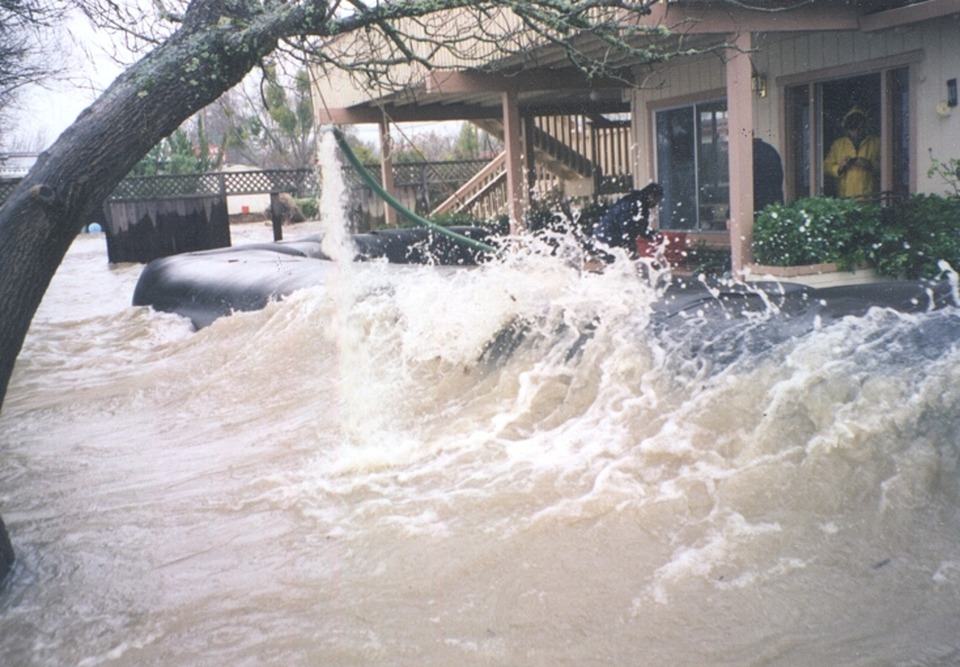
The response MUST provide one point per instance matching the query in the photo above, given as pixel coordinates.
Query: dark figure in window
(628, 219)
(767, 176)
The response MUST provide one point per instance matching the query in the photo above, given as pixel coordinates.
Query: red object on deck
(670, 246)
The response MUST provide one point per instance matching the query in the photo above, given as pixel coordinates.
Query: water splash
(336, 239)
(344, 471)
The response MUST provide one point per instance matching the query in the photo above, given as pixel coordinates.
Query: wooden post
(516, 182)
(276, 216)
(386, 171)
(740, 124)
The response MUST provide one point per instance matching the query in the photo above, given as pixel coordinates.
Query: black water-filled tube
(720, 323)
(725, 323)
(204, 286)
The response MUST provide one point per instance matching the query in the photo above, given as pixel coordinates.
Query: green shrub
(918, 234)
(309, 207)
(907, 240)
(948, 171)
(815, 230)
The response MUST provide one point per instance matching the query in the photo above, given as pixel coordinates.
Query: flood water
(339, 479)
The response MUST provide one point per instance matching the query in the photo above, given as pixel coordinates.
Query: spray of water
(336, 239)
(515, 463)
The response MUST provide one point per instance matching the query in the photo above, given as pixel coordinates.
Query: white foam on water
(352, 476)
(336, 239)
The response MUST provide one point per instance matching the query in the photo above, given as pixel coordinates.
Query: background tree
(286, 132)
(417, 147)
(183, 152)
(467, 145)
(268, 120)
(24, 28)
(365, 151)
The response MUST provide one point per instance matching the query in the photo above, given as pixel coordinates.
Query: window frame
(884, 67)
(691, 102)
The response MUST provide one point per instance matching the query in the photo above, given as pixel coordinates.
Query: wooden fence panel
(419, 186)
(143, 230)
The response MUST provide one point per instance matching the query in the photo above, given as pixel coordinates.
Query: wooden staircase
(564, 148)
(484, 195)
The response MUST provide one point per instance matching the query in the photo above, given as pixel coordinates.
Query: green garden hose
(400, 208)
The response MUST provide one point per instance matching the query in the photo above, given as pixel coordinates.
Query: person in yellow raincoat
(854, 158)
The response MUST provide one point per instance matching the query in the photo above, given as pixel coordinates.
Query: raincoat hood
(854, 111)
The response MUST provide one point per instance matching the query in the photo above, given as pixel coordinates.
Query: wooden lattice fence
(298, 182)
(419, 186)
(435, 179)
(6, 188)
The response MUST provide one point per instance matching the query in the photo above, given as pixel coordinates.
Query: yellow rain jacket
(855, 180)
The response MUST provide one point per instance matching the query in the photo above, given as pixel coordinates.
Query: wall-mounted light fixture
(952, 93)
(758, 83)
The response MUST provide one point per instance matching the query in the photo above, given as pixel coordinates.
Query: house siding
(937, 136)
(342, 90)
(787, 56)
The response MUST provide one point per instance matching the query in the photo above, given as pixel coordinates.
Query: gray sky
(47, 111)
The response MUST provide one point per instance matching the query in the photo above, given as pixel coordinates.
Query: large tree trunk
(206, 57)
(6, 552)
(71, 180)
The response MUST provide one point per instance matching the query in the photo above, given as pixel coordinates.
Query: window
(900, 129)
(692, 166)
(815, 113)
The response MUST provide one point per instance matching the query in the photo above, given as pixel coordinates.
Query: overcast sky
(46, 112)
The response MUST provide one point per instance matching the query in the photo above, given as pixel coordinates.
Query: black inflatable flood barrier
(721, 323)
(204, 286)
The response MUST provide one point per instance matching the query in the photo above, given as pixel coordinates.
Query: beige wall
(451, 30)
(785, 56)
(941, 135)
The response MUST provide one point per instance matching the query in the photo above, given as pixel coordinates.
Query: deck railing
(565, 147)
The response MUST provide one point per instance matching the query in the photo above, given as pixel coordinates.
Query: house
(786, 74)
(13, 167)
(16, 165)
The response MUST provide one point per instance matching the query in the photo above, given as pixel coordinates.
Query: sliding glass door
(692, 166)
